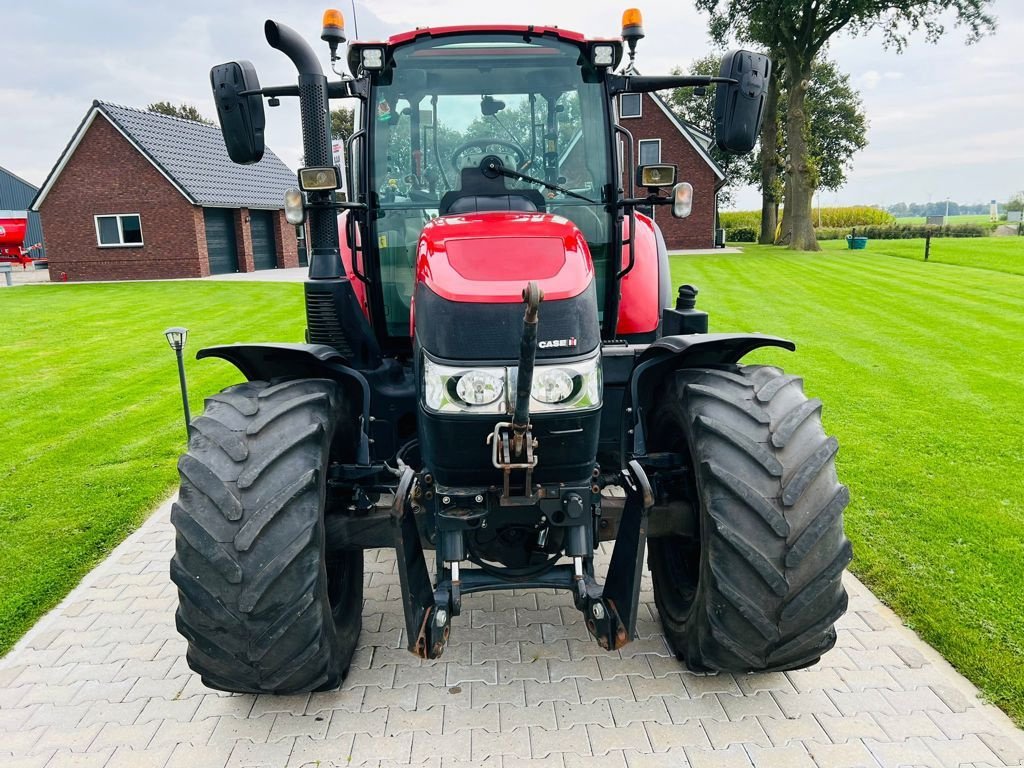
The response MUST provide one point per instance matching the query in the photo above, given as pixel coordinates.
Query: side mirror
(241, 115)
(739, 106)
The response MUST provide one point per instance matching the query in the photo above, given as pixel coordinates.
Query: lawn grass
(92, 416)
(1000, 254)
(919, 367)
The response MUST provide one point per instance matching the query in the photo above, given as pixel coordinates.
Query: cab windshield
(446, 105)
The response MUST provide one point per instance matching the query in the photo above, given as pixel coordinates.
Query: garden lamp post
(177, 337)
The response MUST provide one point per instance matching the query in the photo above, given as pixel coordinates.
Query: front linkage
(609, 610)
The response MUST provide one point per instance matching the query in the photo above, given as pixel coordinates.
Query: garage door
(264, 255)
(220, 240)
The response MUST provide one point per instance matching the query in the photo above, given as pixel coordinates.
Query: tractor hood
(490, 257)
(470, 276)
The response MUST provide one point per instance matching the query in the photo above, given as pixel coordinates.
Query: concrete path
(289, 275)
(102, 681)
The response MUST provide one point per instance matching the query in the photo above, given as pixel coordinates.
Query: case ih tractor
(496, 369)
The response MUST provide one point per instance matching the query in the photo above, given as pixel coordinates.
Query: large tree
(186, 111)
(836, 130)
(799, 29)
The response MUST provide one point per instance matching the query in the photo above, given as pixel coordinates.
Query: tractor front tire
(262, 607)
(761, 587)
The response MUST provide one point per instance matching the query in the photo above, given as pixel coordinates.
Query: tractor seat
(479, 193)
(474, 203)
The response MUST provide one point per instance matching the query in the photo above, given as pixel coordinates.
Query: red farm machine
(13, 227)
(496, 369)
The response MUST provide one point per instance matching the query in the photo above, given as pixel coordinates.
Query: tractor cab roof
(530, 34)
(524, 29)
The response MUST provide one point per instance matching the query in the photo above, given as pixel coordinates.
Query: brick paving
(102, 681)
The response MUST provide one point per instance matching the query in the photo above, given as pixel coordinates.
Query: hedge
(835, 216)
(902, 231)
(741, 235)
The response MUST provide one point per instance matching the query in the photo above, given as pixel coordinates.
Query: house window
(630, 105)
(119, 229)
(650, 151)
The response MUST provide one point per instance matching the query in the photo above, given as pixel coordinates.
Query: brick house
(661, 137)
(138, 195)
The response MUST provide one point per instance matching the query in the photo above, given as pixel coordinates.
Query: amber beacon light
(632, 30)
(333, 30)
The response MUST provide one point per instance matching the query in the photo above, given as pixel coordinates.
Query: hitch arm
(533, 296)
(622, 584)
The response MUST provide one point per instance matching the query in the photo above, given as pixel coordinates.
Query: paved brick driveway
(102, 681)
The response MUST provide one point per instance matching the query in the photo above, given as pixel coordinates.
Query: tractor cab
(476, 120)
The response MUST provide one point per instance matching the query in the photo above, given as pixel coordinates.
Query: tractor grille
(323, 323)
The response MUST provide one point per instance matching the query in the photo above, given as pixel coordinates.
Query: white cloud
(869, 80)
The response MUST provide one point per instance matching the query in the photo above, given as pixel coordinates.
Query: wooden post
(927, 244)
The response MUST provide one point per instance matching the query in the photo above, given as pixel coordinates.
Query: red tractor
(495, 370)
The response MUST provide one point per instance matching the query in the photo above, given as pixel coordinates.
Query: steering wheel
(482, 144)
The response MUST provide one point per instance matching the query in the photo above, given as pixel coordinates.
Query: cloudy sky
(946, 120)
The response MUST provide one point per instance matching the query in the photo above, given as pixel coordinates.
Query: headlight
(556, 387)
(478, 387)
(566, 387)
(447, 389)
(552, 385)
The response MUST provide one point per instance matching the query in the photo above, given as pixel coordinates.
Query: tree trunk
(801, 175)
(770, 165)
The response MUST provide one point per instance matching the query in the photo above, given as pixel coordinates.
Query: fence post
(927, 244)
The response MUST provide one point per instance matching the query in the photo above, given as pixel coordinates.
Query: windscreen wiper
(494, 168)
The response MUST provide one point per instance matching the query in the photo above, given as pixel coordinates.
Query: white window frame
(639, 152)
(120, 230)
(640, 101)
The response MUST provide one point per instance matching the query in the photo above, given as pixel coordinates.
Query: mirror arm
(652, 199)
(274, 90)
(339, 205)
(646, 84)
(342, 89)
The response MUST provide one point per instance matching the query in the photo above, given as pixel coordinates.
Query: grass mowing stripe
(921, 384)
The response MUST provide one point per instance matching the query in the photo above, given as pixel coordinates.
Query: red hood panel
(490, 257)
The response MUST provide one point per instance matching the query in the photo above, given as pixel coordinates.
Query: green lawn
(919, 366)
(1001, 254)
(92, 416)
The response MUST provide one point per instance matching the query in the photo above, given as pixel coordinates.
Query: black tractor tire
(761, 588)
(263, 608)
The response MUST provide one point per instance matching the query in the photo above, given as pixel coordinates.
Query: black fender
(263, 362)
(672, 353)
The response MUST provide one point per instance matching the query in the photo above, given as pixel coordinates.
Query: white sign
(338, 150)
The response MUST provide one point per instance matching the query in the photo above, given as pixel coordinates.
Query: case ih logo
(553, 343)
